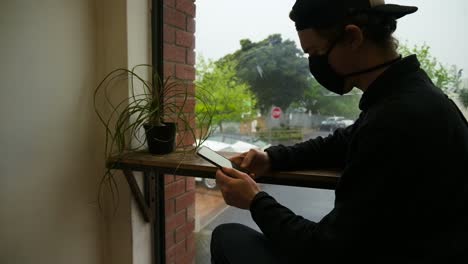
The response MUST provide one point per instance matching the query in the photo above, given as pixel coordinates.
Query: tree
(318, 102)
(222, 96)
(446, 78)
(276, 70)
(464, 96)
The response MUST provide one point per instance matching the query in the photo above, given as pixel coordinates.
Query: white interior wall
(51, 155)
(53, 54)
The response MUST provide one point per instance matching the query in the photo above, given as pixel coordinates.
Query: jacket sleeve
(328, 152)
(286, 229)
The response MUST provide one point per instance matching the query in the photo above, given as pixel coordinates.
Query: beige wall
(50, 154)
(139, 52)
(53, 53)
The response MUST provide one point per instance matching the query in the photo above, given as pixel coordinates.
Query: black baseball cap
(323, 13)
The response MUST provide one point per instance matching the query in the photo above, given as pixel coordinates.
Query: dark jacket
(403, 193)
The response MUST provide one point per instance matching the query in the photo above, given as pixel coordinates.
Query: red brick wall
(179, 61)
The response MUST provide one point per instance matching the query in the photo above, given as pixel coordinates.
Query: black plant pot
(161, 139)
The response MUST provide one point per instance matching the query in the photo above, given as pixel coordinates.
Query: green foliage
(150, 101)
(280, 134)
(275, 69)
(464, 97)
(317, 102)
(278, 75)
(225, 97)
(446, 78)
(128, 116)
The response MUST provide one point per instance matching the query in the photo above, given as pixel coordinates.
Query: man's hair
(377, 28)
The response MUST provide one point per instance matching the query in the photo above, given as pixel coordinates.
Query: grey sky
(222, 23)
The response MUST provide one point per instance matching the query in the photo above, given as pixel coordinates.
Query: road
(312, 204)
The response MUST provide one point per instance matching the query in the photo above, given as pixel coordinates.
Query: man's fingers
(230, 172)
(236, 174)
(238, 158)
(248, 158)
(222, 178)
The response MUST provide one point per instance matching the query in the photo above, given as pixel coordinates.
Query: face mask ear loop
(380, 66)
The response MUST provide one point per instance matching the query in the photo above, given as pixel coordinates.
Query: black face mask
(328, 78)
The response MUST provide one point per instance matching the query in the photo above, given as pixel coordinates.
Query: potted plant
(138, 121)
(149, 103)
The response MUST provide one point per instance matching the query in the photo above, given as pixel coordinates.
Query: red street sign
(276, 113)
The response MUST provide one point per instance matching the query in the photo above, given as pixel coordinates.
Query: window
(250, 61)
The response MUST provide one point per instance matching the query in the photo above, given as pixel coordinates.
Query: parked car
(334, 122)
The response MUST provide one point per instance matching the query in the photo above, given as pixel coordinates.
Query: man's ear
(354, 36)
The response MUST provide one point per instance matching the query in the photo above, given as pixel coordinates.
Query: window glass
(251, 66)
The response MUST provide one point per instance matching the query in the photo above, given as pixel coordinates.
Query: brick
(187, 123)
(181, 126)
(180, 91)
(186, 6)
(190, 123)
(184, 39)
(168, 179)
(179, 236)
(174, 189)
(191, 57)
(175, 221)
(169, 69)
(184, 231)
(170, 3)
(188, 104)
(185, 72)
(191, 213)
(180, 249)
(187, 258)
(191, 25)
(170, 118)
(179, 178)
(190, 89)
(170, 106)
(185, 201)
(190, 184)
(193, 123)
(175, 18)
(185, 139)
(193, 46)
(170, 240)
(170, 255)
(174, 54)
(185, 135)
(169, 207)
(190, 242)
(169, 34)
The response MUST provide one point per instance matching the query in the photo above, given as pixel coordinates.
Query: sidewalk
(208, 205)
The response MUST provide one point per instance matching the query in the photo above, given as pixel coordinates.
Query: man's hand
(255, 161)
(238, 188)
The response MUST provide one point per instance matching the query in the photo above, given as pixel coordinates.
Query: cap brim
(397, 11)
